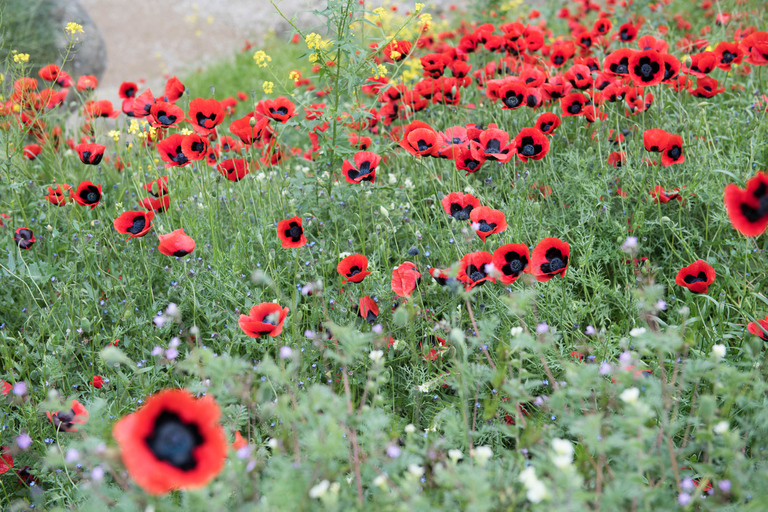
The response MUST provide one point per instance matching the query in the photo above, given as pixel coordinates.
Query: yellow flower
(268, 87)
(382, 69)
(394, 54)
(419, 7)
(21, 57)
(426, 20)
(115, 134)
(261, 58)
(314, 57)
(314, 41)
(379, 11)
(186, 131)
(73, 28)
(294, 75)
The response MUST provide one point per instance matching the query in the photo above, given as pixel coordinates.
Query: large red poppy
(512, 94)
(142, 104)
(369, 310)
(420, 139)
(550, 258)
(547, 123)
(655, 140)
(194, 146)
(24, 238)
(90, 154)
(353, 268)
(88, 194)
(205, 115)
(157, 204)
(59, 195)
(459, 206)
(487, 221)
(475, 269)
(573, 104)
(405, 278)
(493, 145)
(234, 169)
(176, 243)
(280, 109)
(759, 328)
(616, 63)
(291, 233)
(174, 441)
(135, 223)
(266, 318)
(510, 261)
(646, 68)
(748, 208)
(696, 277)
(165, 114)
(364, 168)
(172, 152)
(249, 129)
(531, 144)
(673, 153)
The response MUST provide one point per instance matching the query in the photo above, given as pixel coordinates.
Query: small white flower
(380, 481)
(563, 456)
(718, 351)
(630, 395)
(482, 454)
(416, 470)
(721, 428)
(376, 355)
(396, 345)
(455, 455)
(537, 492)
(424, 388)
(410, 429)
(516, 331)
(527, 476)
(272, 443)
(637, 331)
(320, 489)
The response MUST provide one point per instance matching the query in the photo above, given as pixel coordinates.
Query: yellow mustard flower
(268, 87)
(73, 28)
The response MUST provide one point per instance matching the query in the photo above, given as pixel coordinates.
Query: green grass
(82, 286)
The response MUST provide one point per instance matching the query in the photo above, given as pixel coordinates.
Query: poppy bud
(252, 122)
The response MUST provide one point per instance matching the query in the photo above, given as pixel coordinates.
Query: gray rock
(90, 55)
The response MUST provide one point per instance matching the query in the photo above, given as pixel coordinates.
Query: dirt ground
(147, 39)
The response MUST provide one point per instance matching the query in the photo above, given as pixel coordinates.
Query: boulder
(90, 55)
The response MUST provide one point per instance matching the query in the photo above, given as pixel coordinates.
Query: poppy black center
(701, 277)
(512, 100)
(531, 101)
(459, 213)
(294, 232)
(86, 156)
(180, 253)
(545, 127)
(456, 140)
(174, 441)
(280, 110)
(485, 227)
(675, 152)
(493, 146)
(558, 59)
(24, 234)
(91, 195)
(370, 317)
(475, 274)
(624, 35)
(529, 147)
(165, 118)
(556, 264)
(555, 261)
(728, 57)
(63, 419)
(197, 147)
(180, 158)
(574, 108)
(365, 168)
(202, 119)
(471, 164)
(353, 271)
(137, 226)
(423, 145)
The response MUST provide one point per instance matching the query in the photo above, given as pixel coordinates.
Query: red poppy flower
(706, 87)
(280, 109)
(142, 104)
(561, 53)
(174, 441)
(5, 387)
(616, 63)
(291, 233)
(353, 268)
(486, 221)
(176, 243)
(127, 90)
(174, 89)
(531, 144)
(617, 158)
(369, 310)
(97, 381)
(452, 141)
(67, 421)
(547, 123)
(696, 277)
(172, 152)
(234, 169)
(759, 328)
(602, 26)
(31, 151)
(3, 216)
(433, 65)
(512, 94)
(159, 204)
(88, 194)
(673, 153)
(205, 115)
(134, 223)
(404, 279)
(627, 33)
(101, 108)
(249, 129)
(59, 195)
(364, 168)
(194, 147)
(748, 208)
(659, 195)
(475, 269)
(550, 259)
(556, 87)
(701, 64)
(24, 238)
(53, 73)
(90, 154)
(436, 346)
(493, 145)
(459, 206)
(727, 54)
(401, 49)
(6, 459)
(646, 68)
(467, 160)
(87, 83)
(755, 48)
(358, 142)
(265, 318)
(580, 76)
(510, 261)
(573, 104)
(420, 139)
(165, 114)
(655, 140)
